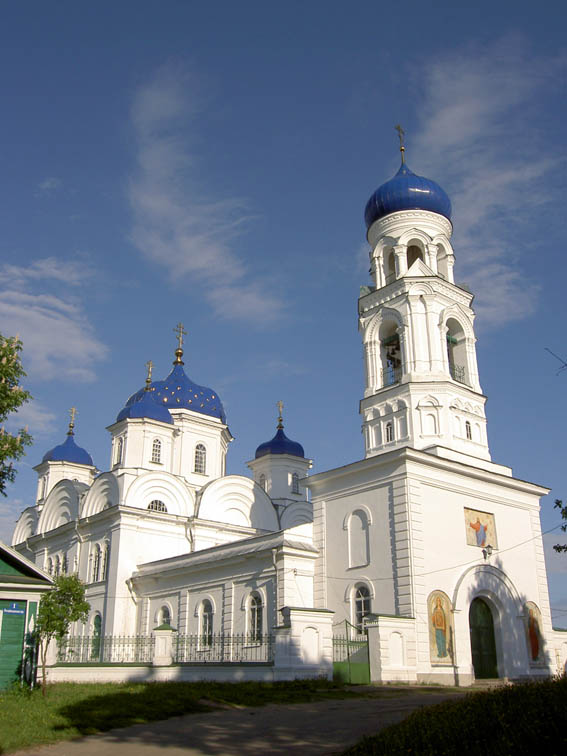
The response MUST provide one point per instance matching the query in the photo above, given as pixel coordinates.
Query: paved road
(325, 727)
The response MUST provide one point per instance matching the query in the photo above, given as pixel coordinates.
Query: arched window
(49, 567)
(358, 539)
(206, 623)
(262, 482)
(105, 559)
(361, 605)
(457, 352)
(97, 559)
(468, 430)
(164, 617)
(389, 431)
(200, 459)
(255, 617)
(96, 646)
(390, 353)
(65, 565)
(43, 487)
(414, 253)
(157, 506)
(119, 450)
(295, 483)
(156, 450)
(57, 566)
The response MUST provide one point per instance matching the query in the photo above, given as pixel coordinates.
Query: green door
(483, 645)
(12, 625)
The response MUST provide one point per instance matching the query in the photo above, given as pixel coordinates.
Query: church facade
(426, 545)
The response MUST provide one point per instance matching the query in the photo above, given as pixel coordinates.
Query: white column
(400, 250)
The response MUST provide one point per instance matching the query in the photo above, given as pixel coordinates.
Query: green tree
(59, 607)
(12, 396)
(563, 509)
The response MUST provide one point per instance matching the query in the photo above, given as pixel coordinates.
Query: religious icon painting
(480, 529)
(532, 616)
(441, 633)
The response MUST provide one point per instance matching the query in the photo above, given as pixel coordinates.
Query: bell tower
(421, 377)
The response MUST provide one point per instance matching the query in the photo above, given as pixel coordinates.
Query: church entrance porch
(483, 644)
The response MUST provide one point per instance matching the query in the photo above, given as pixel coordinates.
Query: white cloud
(72, 272)
(35, 416)
(48, 185)
(176, 224)
(59, 341)
(479, 136)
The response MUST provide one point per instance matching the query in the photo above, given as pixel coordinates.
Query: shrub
(527, 718)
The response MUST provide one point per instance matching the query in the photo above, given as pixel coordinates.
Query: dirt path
(325, 727)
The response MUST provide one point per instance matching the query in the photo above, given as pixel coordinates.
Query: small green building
(21, 587)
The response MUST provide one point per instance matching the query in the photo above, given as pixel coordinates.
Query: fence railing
(223, 649)
(345, 648)
(391, 375)
(187, 649)
(107, 649)
(458, 373)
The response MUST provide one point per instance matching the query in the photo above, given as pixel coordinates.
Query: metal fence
(107, 649)
(223, 649)
(345, 648)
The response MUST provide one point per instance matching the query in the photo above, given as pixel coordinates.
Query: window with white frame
(164, 616)
(105, 558)
(255, 617)
(57, 566)
(200, 459)
(389, 431)
(361, 605)
(65, 565)
(50, 566)
(118, 451)
(157, 506)
(96, 564)
(206, 623)
(262, 482)
(295, 483)
(468, 430)
(156, 450)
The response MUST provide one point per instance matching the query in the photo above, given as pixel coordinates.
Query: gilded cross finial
(149, 365)
(72, 414)
(401, 134)
(280, 406)
(181, 332)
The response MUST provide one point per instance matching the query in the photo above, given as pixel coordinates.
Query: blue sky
(174, 161)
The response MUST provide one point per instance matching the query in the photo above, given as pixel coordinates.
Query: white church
(425, 546)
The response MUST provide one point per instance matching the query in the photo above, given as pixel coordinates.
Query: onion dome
(68, 451)
(144, 405)
(280, 443)
(178, 391)
(407, 191)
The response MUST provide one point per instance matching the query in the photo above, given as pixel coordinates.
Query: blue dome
(280, 444)
(407, 191)
(179, 392)
(68, 451)
(145, 407)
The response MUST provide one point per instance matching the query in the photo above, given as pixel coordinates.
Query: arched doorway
(483, 645)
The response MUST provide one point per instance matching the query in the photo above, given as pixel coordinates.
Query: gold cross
(280, 406)
(401, 134)
(149, 365)
(72, 413)
(181, 332)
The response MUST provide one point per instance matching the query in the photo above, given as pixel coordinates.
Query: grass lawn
(70, 710)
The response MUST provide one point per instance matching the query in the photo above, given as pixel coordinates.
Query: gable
(16, 568)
